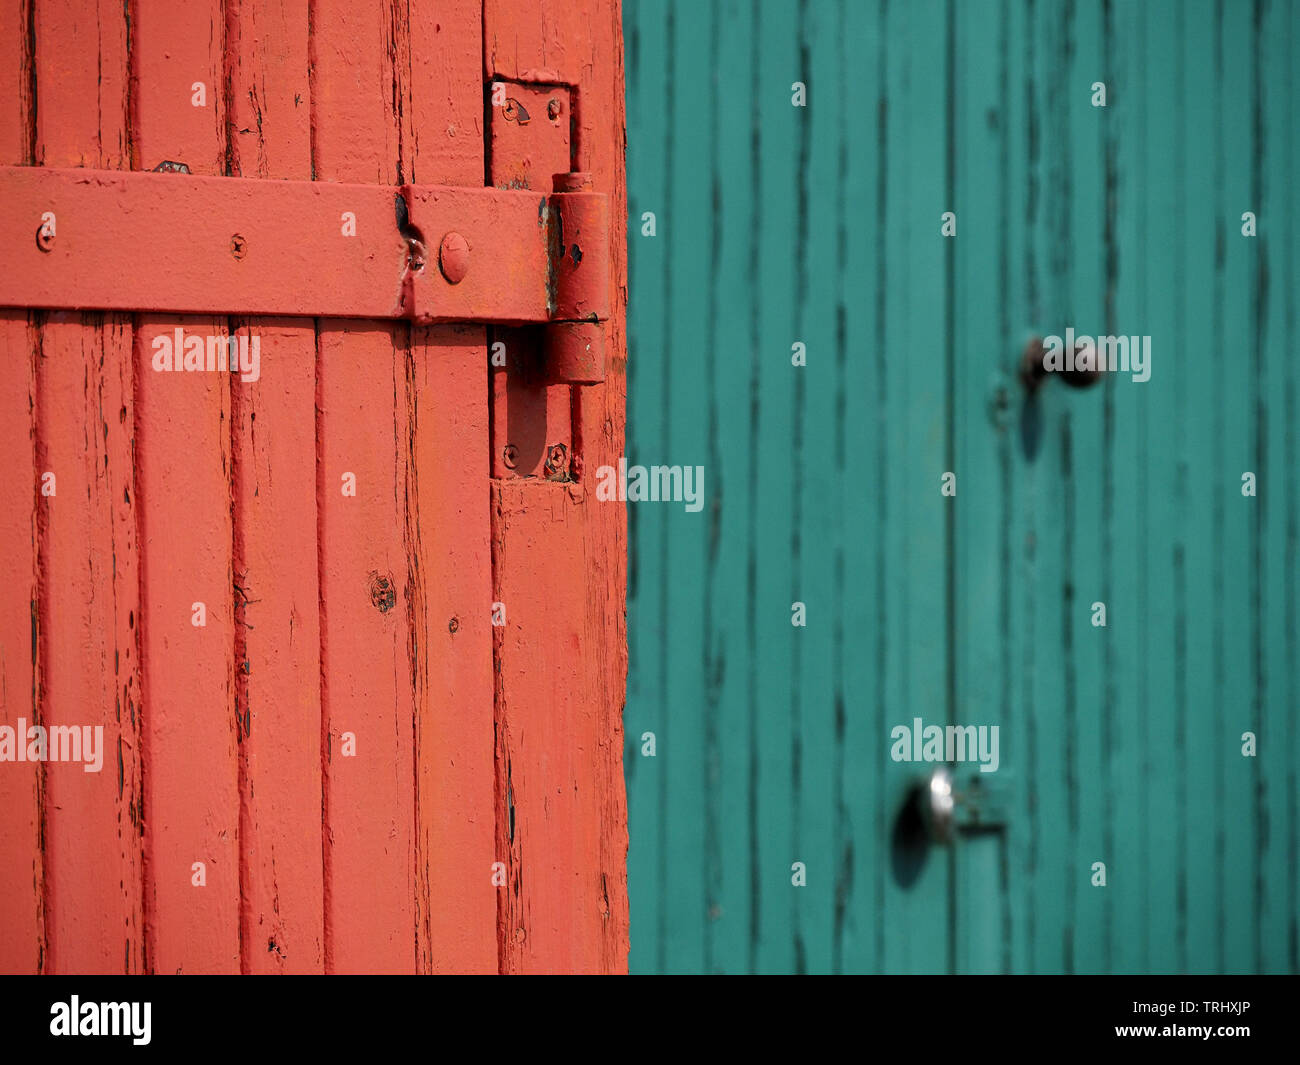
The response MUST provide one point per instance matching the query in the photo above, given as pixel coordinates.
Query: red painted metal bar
(165, 242)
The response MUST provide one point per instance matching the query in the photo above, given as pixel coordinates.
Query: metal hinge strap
(77, 239)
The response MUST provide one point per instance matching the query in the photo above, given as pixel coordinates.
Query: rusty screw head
(553, 109)
(557, 458)
(45, 238)
(453, 625)
(453, 257)
(514, 111)
(510, 455)
(238, 246)
(415, 256)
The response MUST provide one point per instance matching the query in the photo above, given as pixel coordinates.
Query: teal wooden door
(758, 226)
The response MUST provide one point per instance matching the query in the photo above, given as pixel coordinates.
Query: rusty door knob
(1033, 373)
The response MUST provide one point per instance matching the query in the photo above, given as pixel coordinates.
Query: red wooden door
(350, 621)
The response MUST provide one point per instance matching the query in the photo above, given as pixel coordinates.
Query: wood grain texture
(22, 857)
(183, 447)
(446, 103)
(822, 225)
(449, 536)
(22, 927)
(90, 609)
(363, 429)
(327, 618)
(557, 567)
(83, 78)
(277, 592)
(548, 736)
(277, 654)
(365, 670)
(89, 549)
(450, 558)
(1277, 110)
(17, 114)
(190, 760)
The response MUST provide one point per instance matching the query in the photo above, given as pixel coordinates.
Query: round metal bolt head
(453, 258)
(510, 455)
(553, 109)
(238, 246)
(44, 238)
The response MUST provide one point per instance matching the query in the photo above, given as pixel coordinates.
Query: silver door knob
(979, 804)
(938, 803)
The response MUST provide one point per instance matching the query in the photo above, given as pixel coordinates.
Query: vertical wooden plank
(1206, 749)
(1289, 782)
(1279, 915)
(277, 652)
(649, 147)
(366, 675)
(1083, 519)
(731, 364)
(1084, 523)
(1018, 211)
(448, 515)
(1159, 668)
(1238, 689)
(1041, 835)
(277, 595)
(987, 399)
(447, 93)
(354, 93)
(1015, 888)
(91, 679)
(1050, 538)
(270, 96)
(548, 729)
(1276, 905)
(190, 762)
(22, 858)
(712, 657)
(1125, 409)
(558, 568)
(22, 933)
(178, 105)
(914, 596)
(183, 440)
(688, 223)
(1170, 536)
(774, 585)
(862, 863)
(362, 430)
(17, 118)
(85, 415)
(82, 84)
(816, 493)
(451, 561)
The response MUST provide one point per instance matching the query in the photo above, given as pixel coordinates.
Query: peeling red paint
(347, 744)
